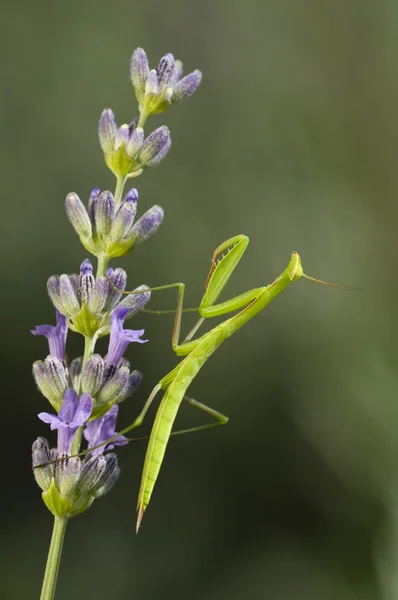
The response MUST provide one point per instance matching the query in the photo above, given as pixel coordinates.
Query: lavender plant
(85, 394)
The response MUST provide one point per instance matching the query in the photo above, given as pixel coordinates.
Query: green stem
(120, 181)
(53, 559)
(89, 346)
(103, 261)
(142, 119)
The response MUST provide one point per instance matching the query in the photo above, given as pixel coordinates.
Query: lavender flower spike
(99, 430)
(120, 338)
(56, 336)
(74, 413)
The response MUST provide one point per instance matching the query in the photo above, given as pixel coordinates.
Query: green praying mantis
(196, 352)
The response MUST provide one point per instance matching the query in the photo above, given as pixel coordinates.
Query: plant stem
(53, 559)
(120, 181)
(102, 265)
(142, 119)
(89, 346)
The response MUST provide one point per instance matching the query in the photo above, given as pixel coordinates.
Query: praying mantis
(196, 352)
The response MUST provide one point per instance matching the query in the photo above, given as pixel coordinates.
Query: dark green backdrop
(292, 139)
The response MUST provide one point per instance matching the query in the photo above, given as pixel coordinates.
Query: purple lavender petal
(69, 406)
(52, 420)
(99, 430)
(83, 411)
(56, 336)
(120, 338)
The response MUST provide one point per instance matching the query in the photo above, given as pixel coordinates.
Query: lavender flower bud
(90, 475)
(178, 66)
(136, 302)
(78, 216)
(113, 388)
(132, 196)
(124, 362)
(107, 130)
(139, 72)
(147, 225)
(154, 145)
(131, 385)
(135, 141)
(57, 376)
(43, 383)
(53, 289)
(60, 464)
(98, 296)
(86, 281)
(69, 477)
(152, 84)
(119, 279)
(42, 471)
(186, 86)
(109, 476)
(95, 192)
(123, 221)
(75, 369)
(93, 375)
(68, 296)
(74, 281)
(104, 212)
(165, 70)
(160, 155)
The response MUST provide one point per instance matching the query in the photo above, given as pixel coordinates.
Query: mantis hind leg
(220, 420)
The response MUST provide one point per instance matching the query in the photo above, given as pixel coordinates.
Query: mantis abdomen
(160, 434)
(167, 412)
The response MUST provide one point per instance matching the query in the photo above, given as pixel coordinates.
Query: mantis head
(295, 268)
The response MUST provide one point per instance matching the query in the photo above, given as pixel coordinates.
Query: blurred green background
(292, 139)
